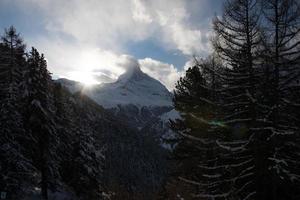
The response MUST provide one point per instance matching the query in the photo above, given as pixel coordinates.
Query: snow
(169, 134)
(171, 115)
(212, 175)
(72, 86)
(133, 87)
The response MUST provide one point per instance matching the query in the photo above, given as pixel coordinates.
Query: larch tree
(282, 43)
(240, 163)
(254, 136)
(235, 165)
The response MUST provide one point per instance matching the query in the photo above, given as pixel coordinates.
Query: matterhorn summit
(135, 98)
(133, 87)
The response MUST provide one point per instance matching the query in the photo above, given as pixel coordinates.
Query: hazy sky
(92, 40)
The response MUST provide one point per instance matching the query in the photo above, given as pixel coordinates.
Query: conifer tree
(86, 165)
(254, 138)
(282, 45)
(42, 130)
(234, 165)
(41, 124)
(15, 166)
(82, 161)
(234, 171)
(196, 97)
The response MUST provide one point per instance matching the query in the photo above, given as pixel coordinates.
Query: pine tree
(15, 166)
(65, 125)
(196, 96)
(82, 161)
(44, 129)
(86, 166)
(41, 124)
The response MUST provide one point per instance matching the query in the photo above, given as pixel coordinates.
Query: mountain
(72, 86)
(126, 106)
(105, 143)
(133, 87)
(160, 129)
(135, 98)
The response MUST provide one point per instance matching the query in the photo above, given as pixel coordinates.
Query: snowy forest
(236, 136)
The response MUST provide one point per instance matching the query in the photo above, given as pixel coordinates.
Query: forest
(238, 135)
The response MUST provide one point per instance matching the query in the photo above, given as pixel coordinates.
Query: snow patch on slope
(171, 115)
(168, 134)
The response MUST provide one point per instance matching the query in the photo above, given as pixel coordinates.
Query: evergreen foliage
(38, 133)
(243, 141)
(53, 141)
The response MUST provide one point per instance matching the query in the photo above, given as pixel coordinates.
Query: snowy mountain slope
(138, 117)
(121, 145)
(72, 86)
(137, 99)
(171, 115)
(160, 128)
(133, 87)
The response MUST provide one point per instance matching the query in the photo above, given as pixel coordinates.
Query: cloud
(112, 24)
(140, 12)
(190, 63)
(127, 62)
(92, 36)
(171, 20)
(103, 78)
(104, 66)
(164, 72)
(108, 24)
(66, 58)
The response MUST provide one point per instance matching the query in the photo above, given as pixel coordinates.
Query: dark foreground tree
(282, 58)
(37, 125)
(15, 167)
(253, 138)
(40, 118)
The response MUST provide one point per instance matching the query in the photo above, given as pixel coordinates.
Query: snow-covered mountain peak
(133, 87)
(132, 73)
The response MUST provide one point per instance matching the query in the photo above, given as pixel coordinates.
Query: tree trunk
(44, 170)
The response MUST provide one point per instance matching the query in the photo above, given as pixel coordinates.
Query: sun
(86, 78)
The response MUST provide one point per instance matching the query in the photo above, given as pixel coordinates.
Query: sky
(92, 40)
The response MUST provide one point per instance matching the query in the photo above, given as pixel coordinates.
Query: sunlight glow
(90, 64)
(86, 78)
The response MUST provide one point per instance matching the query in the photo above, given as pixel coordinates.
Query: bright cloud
(139, 12)
(91, 36)
(110, 24)
(164, 72)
